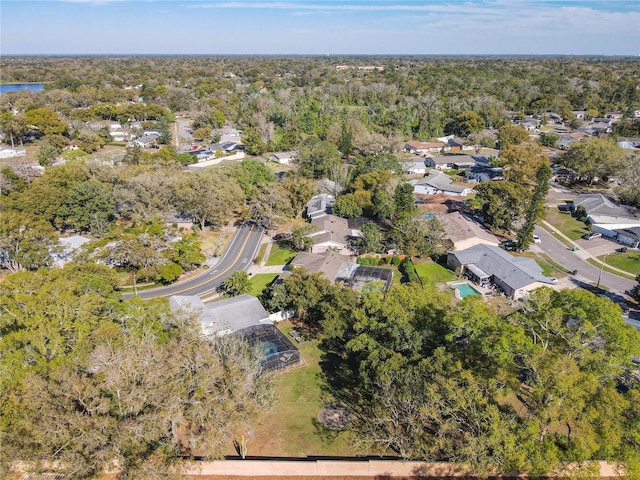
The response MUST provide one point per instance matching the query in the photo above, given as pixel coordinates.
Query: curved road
(238, 256)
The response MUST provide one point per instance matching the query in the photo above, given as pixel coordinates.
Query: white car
(536, 239)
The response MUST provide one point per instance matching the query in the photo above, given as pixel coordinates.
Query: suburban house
(529, 124)
(243, 316)
(629, 236)
(229, 134)
(333, 233)
(438, 182)
(487, 264)
(6, 152)
(453, 144)
(553, 118)
(423, 148)
(146, 141)
(448, 162)
(284, 158)
(606, 216)
(414, 168)
(116, 132)
(181, 223)
(464, 232)
(567, 139)
(223, 317)
(336, 269)
(319, 206)
(68, 248)
(628, 143)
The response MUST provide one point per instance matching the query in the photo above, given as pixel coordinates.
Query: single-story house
(6, 152)
(568, 138)
(146, 141)
(333, 233)
(438, 182)
(464, 232)
(553, 118)
(529, 124)
(225, 316)
(319, 206)
(284, 158)
(338, 270)
(68, 248)
(414, 168)
(229, 134)
(488, 264)
(604, 215)
(453, 144)
(628, 143)
(181, 223)
(245, 317)
(629, 236)
(422, 148)
(448, 162)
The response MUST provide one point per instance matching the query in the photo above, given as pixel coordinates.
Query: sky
(321, 27)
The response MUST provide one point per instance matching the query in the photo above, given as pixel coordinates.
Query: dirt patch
(336, 416)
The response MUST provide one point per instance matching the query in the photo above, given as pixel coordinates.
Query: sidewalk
(581, 252)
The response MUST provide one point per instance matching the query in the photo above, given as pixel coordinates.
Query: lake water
(14, 87)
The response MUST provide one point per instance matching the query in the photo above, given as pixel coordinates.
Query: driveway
(597, 246)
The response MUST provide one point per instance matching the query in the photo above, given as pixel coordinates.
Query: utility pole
(601, 268)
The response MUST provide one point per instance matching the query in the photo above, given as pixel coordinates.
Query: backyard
(291, 428)
(432, 273)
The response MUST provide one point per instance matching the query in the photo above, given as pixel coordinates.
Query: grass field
(259, 281)
(280, 255)
(570, 226)
(431, 273)
(629, 262)
(291, 428)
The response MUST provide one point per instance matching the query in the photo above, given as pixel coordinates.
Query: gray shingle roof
(597, 204)
(225, 316)
(517, 272)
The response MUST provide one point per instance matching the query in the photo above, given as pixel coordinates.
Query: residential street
(239, 255)
(587, 273)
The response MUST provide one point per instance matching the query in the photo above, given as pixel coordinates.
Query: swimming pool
(465, 290)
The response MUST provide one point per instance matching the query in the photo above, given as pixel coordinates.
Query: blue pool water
(465, 290)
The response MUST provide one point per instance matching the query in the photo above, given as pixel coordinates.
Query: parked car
(554, 280)
(621, 250)
(592, 235)
(536, 239)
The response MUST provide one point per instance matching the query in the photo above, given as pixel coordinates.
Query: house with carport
(438, 182)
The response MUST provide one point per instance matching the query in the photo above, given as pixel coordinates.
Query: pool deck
(481, 290)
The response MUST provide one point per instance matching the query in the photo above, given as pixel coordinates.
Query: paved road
(587, 273)
(239, 255)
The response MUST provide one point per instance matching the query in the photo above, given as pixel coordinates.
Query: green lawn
(431, 273)
(291, 427)
(280, 255)
(259, 281)
(595, 263)
(629, 262)
(563, 221)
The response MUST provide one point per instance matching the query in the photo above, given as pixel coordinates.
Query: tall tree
(503, 203)
(520, 163)
(25, 241)
(592, 158)
(535, 209)
(209, 197)
(95, 382)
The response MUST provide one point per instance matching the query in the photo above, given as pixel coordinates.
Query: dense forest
(427, 378)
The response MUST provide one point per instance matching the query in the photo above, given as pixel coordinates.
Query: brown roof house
(333, 233)
(337, 269)
(465, 232)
